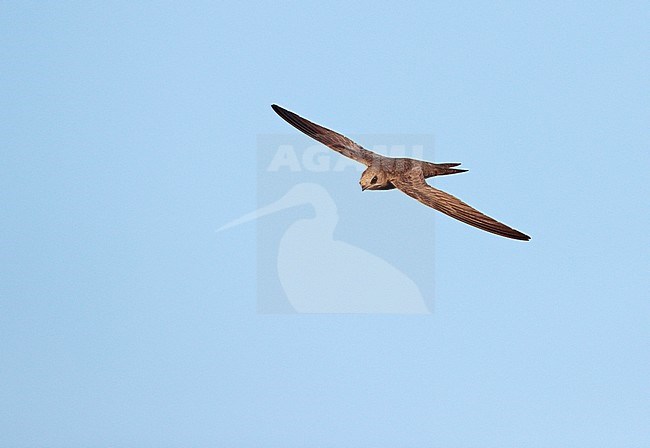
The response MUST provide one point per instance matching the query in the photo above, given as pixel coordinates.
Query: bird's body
(408, 175)
(396, 167)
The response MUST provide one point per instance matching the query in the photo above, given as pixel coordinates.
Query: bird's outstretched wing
(334, 140)
(414, 185)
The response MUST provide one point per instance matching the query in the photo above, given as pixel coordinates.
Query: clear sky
(130, 133)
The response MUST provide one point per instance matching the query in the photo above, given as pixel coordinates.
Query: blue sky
(130, 134)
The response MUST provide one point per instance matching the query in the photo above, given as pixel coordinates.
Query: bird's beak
(280, 204)
(363, 187)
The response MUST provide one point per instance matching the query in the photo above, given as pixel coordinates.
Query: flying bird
(406, 174)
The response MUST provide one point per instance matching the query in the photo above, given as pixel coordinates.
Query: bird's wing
(414, 185)
(334, 140)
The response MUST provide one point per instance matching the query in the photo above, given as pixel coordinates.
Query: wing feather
(414, 185)
(334, 140)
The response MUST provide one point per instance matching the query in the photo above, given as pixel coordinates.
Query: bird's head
(373, 178)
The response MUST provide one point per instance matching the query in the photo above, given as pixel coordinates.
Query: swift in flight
(407, 175)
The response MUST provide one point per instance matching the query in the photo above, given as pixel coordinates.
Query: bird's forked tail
(443, 169)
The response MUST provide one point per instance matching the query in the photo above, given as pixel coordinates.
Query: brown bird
(408, 175)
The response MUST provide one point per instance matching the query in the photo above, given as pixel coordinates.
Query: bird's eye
(373, 180)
